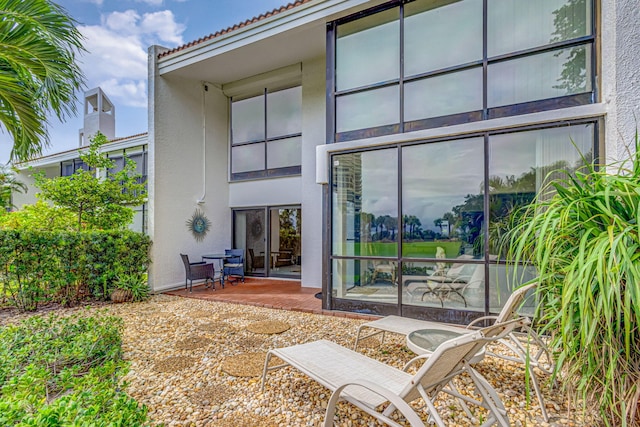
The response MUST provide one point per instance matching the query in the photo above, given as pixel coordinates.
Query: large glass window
(531, 24)
(365, 203)
(440, 35)
(266, 134)
(414, 65)
(368, 50)
(409, 222)
(442, 199)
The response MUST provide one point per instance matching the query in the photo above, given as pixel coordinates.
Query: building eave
(61, 156)
(303, 14)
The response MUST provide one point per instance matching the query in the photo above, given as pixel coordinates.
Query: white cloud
(116, 57)
(163, 25)
(151, 2)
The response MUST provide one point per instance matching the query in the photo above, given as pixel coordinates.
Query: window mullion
(401, 77)
(265, 130)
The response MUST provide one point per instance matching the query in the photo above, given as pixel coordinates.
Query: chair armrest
(480, 319)
(414, 360)
(203, 268)
(197, 263)
(394, 400)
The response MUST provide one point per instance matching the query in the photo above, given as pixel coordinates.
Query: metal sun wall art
(199, 225)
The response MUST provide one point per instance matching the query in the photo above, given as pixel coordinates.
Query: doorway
(272, 238)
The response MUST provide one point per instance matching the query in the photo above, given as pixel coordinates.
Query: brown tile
(270, 293)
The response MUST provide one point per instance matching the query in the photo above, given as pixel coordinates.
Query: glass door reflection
(250, 233)
(285, 226)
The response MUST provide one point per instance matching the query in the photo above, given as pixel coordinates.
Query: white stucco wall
(26, 177)
(265, 192)
(313, 134)
(620, 75)
(176, 157)
(302, 189)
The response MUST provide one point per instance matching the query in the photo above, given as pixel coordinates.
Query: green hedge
(65, 372)
(67, 267)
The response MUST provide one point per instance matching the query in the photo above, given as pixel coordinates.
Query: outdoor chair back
(234, 265)
(197, 271)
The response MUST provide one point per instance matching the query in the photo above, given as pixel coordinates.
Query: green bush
(67, 267)
(585, 243)
(65, 371)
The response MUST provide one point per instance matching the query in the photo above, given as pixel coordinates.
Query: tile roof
(227, 30)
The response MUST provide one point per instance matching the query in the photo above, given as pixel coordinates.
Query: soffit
(287, 38)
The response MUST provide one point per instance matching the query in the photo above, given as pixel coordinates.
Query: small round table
(425, 341)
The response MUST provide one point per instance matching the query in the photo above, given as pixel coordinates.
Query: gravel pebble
(177, 348)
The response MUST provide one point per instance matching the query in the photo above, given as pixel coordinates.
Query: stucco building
(375, 149)
(393, 139)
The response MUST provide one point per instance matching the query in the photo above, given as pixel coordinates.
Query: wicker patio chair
(197, 271)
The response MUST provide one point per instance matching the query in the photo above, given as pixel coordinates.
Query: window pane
(249, 228)
(356, 111)
(247, 119)
(365, 203)
(139, 161)
(442, 199)
(546, 75)
(443, 95)
(365, 280)
(118, 164)
(284, 152)
(455, 285)
(519, 163)
(502, 284)
(67, 168)
(368, 50)
(429, 42)
(284, 112)
(515, 25)
(247, 158)
(286, 246)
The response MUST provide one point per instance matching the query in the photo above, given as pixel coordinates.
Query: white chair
(518, 343)
(368, 383)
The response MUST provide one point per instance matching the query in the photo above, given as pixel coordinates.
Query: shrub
(67, 267)
(65, 371)
(585, 243)
(96, 202)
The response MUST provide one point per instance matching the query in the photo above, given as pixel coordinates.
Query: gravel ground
(182, 352)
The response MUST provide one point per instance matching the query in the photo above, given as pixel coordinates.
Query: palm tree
(38, 72)
(8, 185)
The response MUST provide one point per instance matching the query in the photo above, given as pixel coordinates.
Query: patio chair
(445, 283)
(518, 343)
(234, 265)
(197, 271)
(368, 383)
(257, 261)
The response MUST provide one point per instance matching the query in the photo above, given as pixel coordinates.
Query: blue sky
(117, 34)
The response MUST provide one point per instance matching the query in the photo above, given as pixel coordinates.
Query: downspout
(200, 201)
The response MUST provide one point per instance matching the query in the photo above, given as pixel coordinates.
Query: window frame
(401, 308)
(486, 113)
(265, 172)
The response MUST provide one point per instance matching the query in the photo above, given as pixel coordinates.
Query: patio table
(425, 341)
(220, 258)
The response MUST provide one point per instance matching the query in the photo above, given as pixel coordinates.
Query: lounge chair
(518, 343)
(368, 383)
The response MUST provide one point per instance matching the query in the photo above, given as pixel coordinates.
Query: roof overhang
(286, 38)
(55, 158)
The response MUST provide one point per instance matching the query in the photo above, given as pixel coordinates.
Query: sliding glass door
(272, 238)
